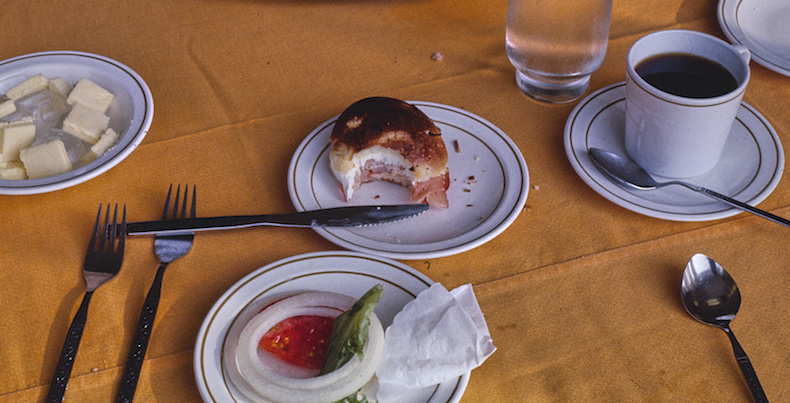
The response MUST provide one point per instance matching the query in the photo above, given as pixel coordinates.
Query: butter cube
(106, 141)
(26, 119)
(12, 170)
(6, 108)
(14, 137)
(46, 159)
(60, 86)
(29, 86)
(90, 94)
(85, 123)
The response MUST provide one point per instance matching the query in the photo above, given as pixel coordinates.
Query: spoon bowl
(627, 173)
(623, 170)
(711, 296)
(709, 293)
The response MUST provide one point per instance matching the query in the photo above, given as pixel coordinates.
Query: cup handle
(743, 51)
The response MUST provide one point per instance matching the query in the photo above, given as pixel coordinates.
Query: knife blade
(351, 216)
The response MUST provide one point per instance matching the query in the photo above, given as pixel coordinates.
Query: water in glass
(556, 44)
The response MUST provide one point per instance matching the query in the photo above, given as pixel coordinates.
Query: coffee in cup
(683, 91)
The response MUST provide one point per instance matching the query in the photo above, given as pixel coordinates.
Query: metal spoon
(626, 172)
(711, 296)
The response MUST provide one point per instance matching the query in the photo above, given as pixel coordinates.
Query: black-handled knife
(352, 216)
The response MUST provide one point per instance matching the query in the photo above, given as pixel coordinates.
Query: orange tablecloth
(581, 296)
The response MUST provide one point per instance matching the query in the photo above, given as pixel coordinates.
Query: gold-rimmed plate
(349, 273)
(761, 26)
(489, 183)
(749, 170)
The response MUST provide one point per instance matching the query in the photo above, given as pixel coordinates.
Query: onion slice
(262, 381)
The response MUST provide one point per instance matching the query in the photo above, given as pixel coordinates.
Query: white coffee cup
(679, 136)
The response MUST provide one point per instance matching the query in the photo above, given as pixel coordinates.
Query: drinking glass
(556, 44)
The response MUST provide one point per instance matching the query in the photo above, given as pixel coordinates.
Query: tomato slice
(301, 340)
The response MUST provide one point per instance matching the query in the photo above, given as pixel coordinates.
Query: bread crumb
(437, 57)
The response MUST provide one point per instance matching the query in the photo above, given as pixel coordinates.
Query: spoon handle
(743, 206)
(746, 368)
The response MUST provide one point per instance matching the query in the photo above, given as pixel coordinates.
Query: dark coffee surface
(687, 75)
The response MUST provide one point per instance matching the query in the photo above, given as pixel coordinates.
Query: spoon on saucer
(711, 296)
(628, 173)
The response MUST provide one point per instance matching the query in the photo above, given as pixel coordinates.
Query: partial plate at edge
(749, 170)
(488, 190)
(762, 26)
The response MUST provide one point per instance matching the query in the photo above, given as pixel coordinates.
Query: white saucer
(762, 26)
(749, 170)
(489, 183)
(348, 273)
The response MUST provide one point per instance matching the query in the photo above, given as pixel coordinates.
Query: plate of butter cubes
(67, 117)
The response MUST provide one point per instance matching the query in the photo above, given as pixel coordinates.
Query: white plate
(489, 183)
(130, 113)
(762, 26)
(348, 273)
(749, 169)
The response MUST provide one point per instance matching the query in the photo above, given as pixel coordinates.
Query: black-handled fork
(102, 262)
(167, 248)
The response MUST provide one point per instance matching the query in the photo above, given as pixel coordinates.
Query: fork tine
(95, 232)
(112, 228)
(104, 228)
(167, 203)
(175, 202)
(184, 202)
(194, 201)
(122, 237)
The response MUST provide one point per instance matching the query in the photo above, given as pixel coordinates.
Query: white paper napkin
(438, 336)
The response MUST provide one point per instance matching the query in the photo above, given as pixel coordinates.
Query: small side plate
(131, 112)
